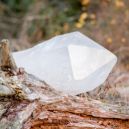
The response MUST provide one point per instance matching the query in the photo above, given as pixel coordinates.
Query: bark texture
(6, 59)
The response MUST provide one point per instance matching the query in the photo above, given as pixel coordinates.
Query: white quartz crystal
(72, 63)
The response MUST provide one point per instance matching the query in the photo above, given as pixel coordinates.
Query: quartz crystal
(71, 63)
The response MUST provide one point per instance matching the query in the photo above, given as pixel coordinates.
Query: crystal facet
(72, 63)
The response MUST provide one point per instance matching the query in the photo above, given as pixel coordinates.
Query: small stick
(6, 58)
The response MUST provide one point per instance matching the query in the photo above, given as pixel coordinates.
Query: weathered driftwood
(6, 59)
(28, 103)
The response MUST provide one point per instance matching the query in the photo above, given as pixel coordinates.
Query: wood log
(42, 107)
(6, 59)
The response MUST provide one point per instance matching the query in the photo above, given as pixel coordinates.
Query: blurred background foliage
(17, 6)
(26, 22)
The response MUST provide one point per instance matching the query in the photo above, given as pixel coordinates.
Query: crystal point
(72, 63)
